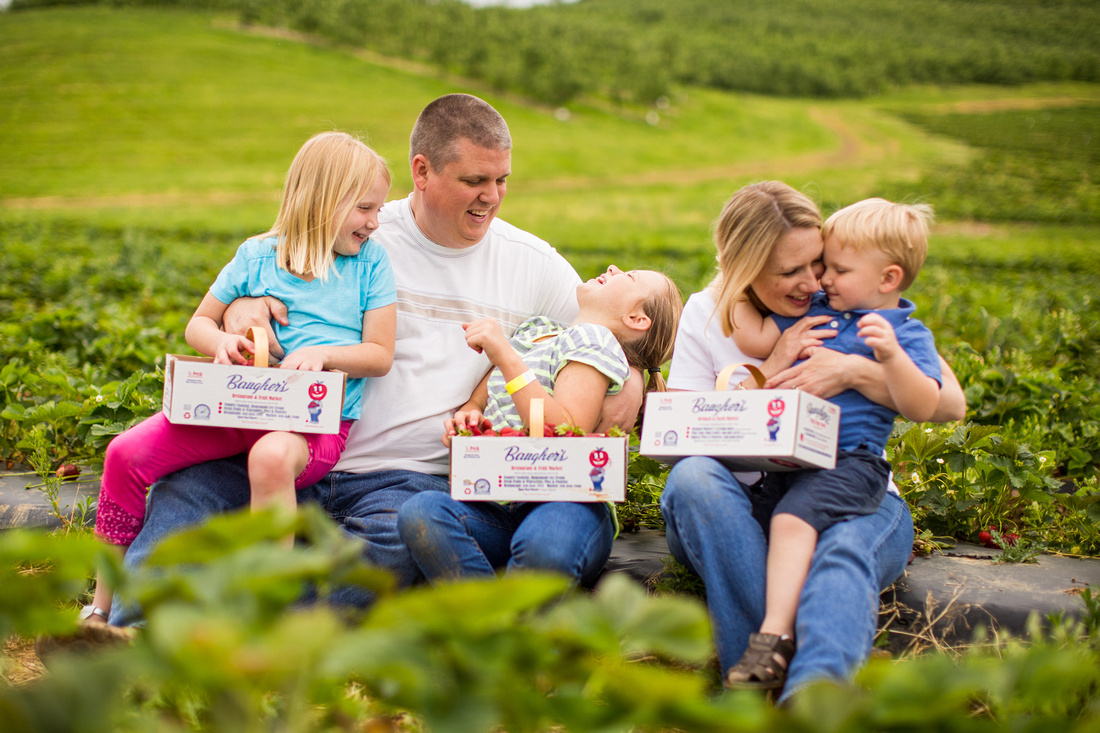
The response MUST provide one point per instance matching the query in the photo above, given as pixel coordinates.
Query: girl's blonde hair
(654, 347)
(327, 179)
(751, 223)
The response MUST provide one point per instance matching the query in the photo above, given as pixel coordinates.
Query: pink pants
(154, 448)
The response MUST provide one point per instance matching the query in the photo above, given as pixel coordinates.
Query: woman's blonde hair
(654, 347)
(751, 223)
(327, 179)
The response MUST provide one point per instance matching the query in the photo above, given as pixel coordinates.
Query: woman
(769, 252)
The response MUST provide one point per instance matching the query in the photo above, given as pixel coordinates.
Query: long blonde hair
(327, 179)
(751, 223)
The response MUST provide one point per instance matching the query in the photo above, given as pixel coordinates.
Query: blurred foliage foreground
(229, 647)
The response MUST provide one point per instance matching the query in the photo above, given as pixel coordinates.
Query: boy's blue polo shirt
(863, 422)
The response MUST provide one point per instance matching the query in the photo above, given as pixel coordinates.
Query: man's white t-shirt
(510, 276)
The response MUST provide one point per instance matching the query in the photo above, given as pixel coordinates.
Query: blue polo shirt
(328, 313)
(863, 422)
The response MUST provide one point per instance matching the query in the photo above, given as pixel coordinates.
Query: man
(454, 262)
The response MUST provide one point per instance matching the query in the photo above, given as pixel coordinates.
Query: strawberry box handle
(722, 383)
(537, 421)
(258, 336)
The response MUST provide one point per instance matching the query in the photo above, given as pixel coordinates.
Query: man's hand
(245, 313)
(621, 410)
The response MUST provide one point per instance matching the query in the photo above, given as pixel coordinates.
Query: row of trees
(634, 50)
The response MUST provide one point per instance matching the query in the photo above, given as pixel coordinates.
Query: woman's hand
(797, 342)
(463, 419)
(824, 373)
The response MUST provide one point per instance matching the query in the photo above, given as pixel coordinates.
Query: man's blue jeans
(452, 539)
(364, 504)
(711, 529)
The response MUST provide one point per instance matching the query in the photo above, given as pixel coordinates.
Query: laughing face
(362, 220)
(790, 276)
(616, 293)
(454, 206)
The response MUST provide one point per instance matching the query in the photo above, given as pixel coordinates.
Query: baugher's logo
(819, 412)
(729, 405)
(317, 391)
(238, 383)
(515, 454)
(776, 407)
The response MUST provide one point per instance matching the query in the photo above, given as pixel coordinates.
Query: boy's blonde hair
(900, 231)
(751, 224)
(327, 179)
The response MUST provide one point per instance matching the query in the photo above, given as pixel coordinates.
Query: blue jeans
(452, 539)
(712, 530)
(365, 505)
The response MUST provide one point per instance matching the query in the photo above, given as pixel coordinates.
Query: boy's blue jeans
(711, 529)
(364, 504)
(452, 539)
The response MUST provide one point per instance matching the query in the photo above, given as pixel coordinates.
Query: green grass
(179, 121)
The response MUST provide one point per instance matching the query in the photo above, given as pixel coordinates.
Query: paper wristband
(520, 382)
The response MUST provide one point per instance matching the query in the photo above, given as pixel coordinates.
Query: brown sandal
(764, 664)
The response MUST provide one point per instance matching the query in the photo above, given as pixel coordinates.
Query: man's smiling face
(455, 205)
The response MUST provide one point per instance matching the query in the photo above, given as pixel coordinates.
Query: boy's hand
(880, 336)
(486, 337)
(463, 419)
(310, 359)
(233, 349)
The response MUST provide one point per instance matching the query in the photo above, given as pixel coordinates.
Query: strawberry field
(133, 167)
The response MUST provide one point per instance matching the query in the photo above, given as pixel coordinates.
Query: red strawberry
(986, 539)
(510, 432)
(489, 432)
(68, 472)
(548, 431)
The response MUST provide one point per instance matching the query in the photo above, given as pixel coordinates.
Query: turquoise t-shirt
(328, 313)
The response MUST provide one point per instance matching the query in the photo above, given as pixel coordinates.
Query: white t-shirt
(509, 275)
(702, 351)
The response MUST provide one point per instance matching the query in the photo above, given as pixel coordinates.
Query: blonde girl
(318, 258)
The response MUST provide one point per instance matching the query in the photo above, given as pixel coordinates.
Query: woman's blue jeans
(711, 529)
(452, 539)
(365, 505)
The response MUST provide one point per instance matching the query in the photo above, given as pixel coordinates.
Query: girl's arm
(205, 336)
(755, 335)
(578, 391)
(371, 358)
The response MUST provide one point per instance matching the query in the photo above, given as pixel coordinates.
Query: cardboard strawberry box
(199, 392)
(498, 468)
(752, 430)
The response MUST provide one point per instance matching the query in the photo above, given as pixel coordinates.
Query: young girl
(337, 284)
(625, 318)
